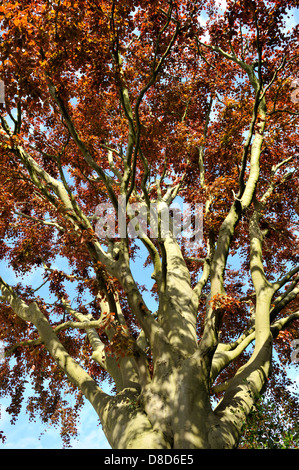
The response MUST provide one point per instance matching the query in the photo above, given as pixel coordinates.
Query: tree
(130, 106)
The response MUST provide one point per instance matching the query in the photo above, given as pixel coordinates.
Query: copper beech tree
(149, 103)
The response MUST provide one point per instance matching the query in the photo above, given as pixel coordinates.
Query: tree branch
(283, 300)
(283, 323)
(40, 221)
(75, 373)
(80, 144)
(279, 284)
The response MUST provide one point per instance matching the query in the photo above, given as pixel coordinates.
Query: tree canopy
(130, 106)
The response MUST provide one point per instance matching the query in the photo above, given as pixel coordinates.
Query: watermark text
(137, 220)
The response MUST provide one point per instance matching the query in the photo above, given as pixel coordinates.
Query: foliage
(149, 103)
(269, 427)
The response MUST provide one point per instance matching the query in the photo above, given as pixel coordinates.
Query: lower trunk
(127, 426)
(175, 414)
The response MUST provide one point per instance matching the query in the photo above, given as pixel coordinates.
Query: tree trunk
(174, 413)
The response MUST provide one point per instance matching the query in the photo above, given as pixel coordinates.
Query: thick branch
(31, 313)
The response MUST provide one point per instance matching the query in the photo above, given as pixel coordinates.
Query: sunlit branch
(40, 221)
(224, 356)
(40, 177)
(112, 166)
(292, 113)
(201, 148)
(83, 325)
(206, 267)
(155, 72)
(279, 284)
(247, 147)
(283, 300)
(226, 353)
(202, 55)
(75, 373)
(204, 277)
(275, 183)
(280, 67)
(283, 323)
